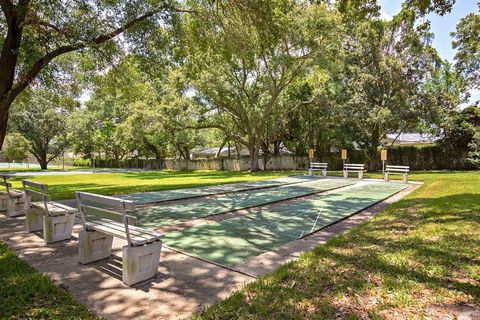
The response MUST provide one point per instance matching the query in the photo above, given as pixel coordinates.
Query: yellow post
(310, 154)
(383, 157)
(344, 154)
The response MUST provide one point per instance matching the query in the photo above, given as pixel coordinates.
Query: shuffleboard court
(186, 193)
(233, 241)
(172, 213)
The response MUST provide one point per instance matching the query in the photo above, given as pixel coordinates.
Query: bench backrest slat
(93, 204)
(397, 167)
(318, 164)
(35, 185)
(107, 201)
(36, 189)
(108, 214)
(353, 166)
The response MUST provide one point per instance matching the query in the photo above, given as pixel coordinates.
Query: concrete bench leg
(15, 207)
(360, 175)
(34, 219)
(310, 172)
(386, 177)
(58, 228)
(4, 201)
(140, 263)
(94, 246)
(324, 173)
(405, 178)
(345, 174)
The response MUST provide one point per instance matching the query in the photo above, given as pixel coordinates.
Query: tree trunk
(4, 111)
(42, 160)
(372, 156)
(14, 16)
(254, 154)
(217, 155)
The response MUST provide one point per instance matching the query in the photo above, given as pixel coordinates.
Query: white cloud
(475, 92)
(385, 16)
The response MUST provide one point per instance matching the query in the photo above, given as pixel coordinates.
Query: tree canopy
(164, 77)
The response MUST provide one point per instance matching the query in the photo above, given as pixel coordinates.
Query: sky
(441, 26)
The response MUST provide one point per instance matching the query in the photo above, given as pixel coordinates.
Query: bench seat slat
(16, 193)
(118, 230)
(141, 232)
(54, 208)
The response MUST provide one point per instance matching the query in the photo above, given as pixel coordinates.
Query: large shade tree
(41, 116)
(34, 33)
(242, 56)
(387, 67)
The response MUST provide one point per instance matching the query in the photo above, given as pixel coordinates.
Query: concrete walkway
(184, 284)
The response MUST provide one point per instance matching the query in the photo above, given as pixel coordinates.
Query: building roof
(413, 137)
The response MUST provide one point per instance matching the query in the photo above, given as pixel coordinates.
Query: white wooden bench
(318, 166)
(106, 217)
(11, 201)
(403, 170)
(352, 167)
(55, 219)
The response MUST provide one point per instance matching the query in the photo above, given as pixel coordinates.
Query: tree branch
(36, 21)
(27, 78)
(7, 8)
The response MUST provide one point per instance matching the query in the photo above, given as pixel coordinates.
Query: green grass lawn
(420, 255)
(64, 186)
(27, 294)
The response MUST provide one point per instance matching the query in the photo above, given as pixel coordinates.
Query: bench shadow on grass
(372, 248)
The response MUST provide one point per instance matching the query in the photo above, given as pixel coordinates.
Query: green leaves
(243, 56)
(41, 116)
(467, 42)
(17, 148)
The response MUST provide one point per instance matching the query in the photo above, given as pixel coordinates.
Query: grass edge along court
(419, 256)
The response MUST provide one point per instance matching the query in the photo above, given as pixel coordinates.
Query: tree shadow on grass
(417, 248)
